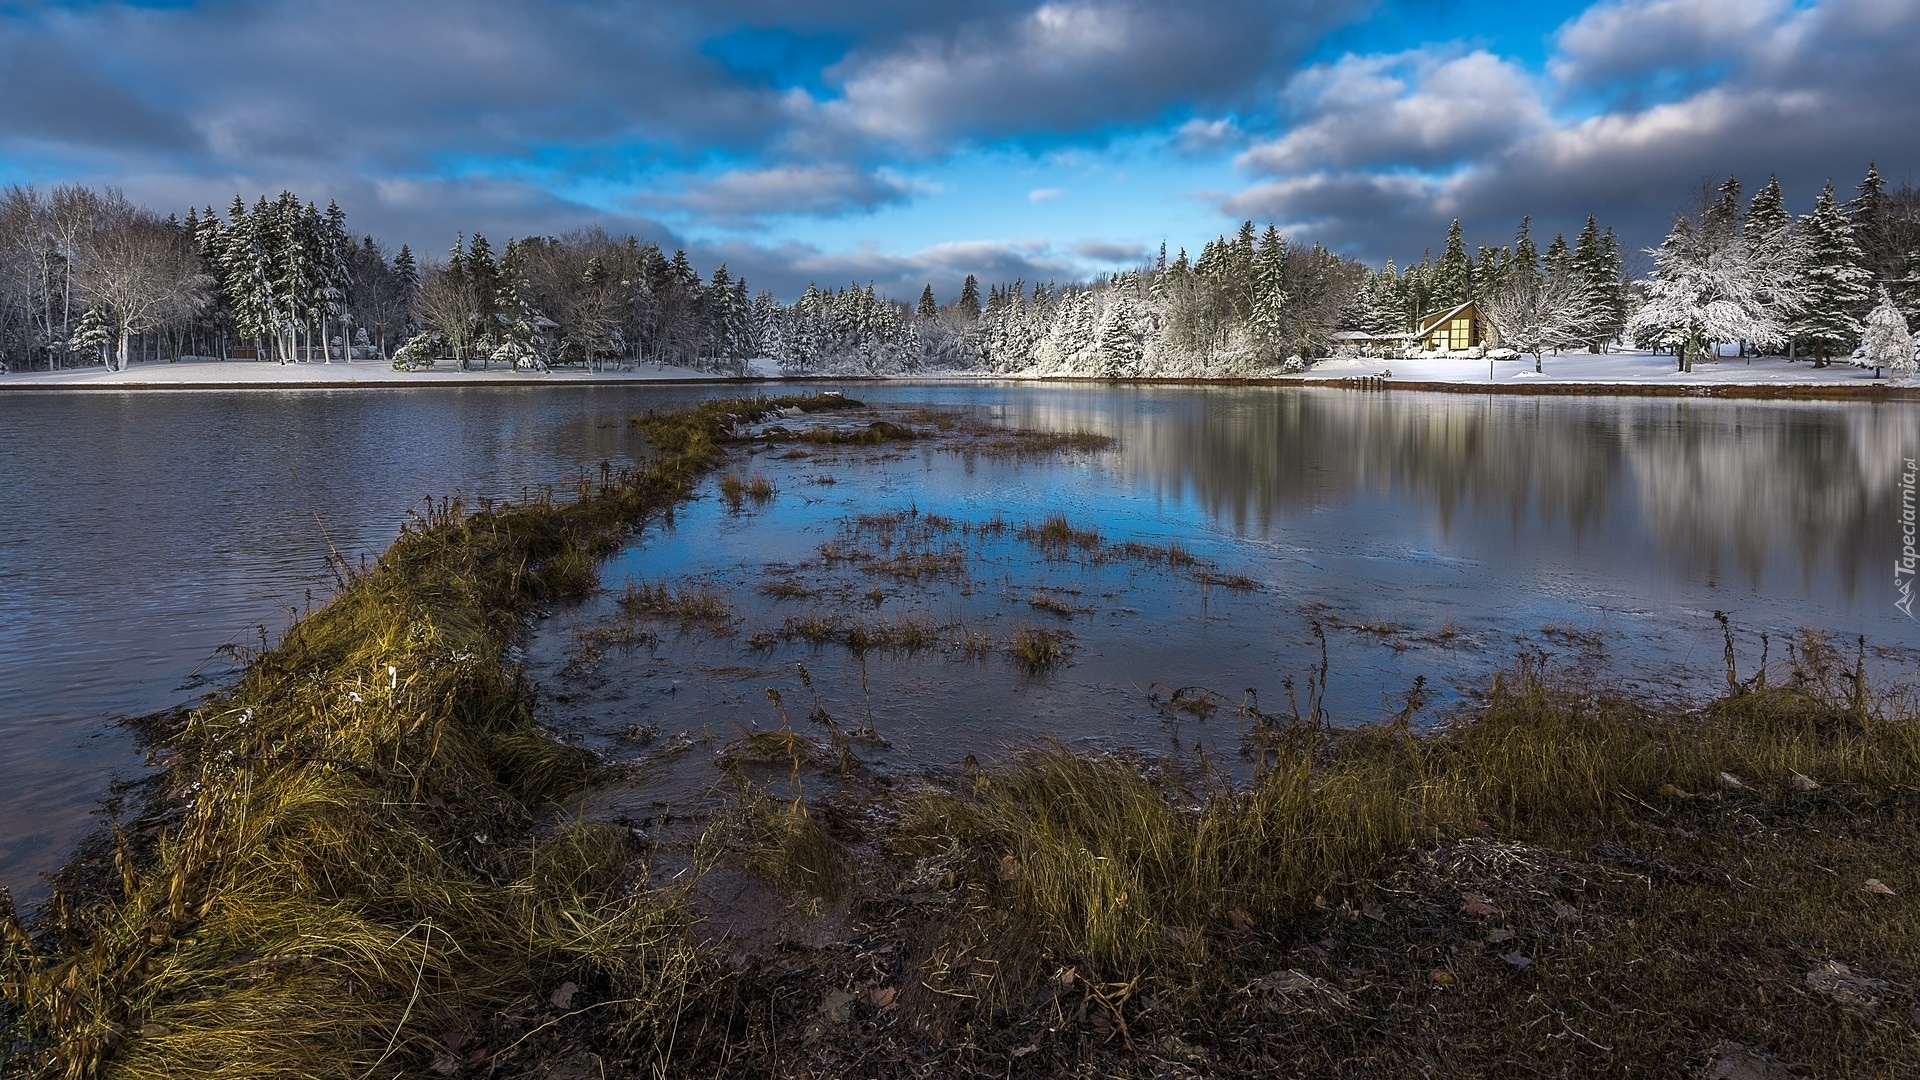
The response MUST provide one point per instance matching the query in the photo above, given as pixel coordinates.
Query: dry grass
(737, 492)
(341, 855)
(689, 605)
(1037, 650)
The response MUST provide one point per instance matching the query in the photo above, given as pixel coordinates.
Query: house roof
(1429, 322)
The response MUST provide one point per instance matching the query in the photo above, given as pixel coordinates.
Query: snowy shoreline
(1621, 374)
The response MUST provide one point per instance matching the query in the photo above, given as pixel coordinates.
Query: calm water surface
(141, 532)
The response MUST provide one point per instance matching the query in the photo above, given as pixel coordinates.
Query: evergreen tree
(1120, 349)
(1595, 266)
(969, 302)
(1887, 342)
(1836, 285)
(1269, 289)
(1453, 279)
(1526, 257)
(927, 308)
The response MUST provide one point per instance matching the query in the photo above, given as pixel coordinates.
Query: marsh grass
(782, 841)
(737, 492)
(341, 854)
(1037, 650)
(689, 605)
(1102, 866)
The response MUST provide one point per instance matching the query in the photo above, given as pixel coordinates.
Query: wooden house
(1457, 329)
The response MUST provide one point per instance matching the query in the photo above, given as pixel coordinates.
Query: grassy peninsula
(361, 861)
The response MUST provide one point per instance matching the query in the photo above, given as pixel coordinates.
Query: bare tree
(138, 274)
(445, 304)
(1535, 312)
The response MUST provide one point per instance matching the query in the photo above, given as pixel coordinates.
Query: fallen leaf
(1009, 870)
(1673, 791)
(1565, 911)
(1839, 982)
(1478, 908)
(883, 998)
(1803, 782)
(1877, 887)
(1516, 960)
(1066, 976)
(1440, 977)
(1376, 914)
(455, 1040)
(1239, 919)
(1789, 881)
(445, 1065)
(1731, 780)
(1022, 1051)
(562, 998)
(1495, 937)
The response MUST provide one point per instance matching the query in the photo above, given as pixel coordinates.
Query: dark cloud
(51, 97)
(1803, 97)
(1069, 66)
(1100, 251)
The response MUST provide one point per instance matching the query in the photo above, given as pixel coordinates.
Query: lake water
(140, 532)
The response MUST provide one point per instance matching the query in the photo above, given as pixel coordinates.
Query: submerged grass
(341, 860)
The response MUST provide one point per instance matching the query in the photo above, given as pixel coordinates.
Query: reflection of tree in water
(1249, 459)
(1721, 487)
(1722, 483)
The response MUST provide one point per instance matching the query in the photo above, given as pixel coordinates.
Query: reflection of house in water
(1461, 330)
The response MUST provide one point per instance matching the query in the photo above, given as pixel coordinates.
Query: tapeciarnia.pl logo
(1903, 567)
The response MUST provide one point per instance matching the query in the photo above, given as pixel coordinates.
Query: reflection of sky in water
(1498, 519)
(138, 532)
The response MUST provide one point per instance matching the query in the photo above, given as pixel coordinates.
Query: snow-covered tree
(1887, 342)
(1835, 286)
(1702, 292)
(1536, 311)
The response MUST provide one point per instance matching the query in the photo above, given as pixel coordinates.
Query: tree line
(88, 277)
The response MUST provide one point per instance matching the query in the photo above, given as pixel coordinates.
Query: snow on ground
(1620, 368)
(1606, 368)
(203, 371)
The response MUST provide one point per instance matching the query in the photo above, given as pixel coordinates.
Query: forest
(89, 278)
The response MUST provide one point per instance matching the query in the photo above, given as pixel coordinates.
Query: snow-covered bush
(416, 354)
(518, 356)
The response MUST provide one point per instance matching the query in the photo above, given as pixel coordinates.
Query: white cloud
(1624, 38)
(1411, 108)
(1198, 136)
(1045, 194)
(823, 190)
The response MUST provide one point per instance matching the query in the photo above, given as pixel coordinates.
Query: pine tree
(519, 332)
(1887, 342)
(1269, 289)
(336, 276)
(969, 302)
(1867, 213)
(1766, 215)
(1120, 350)
(927, 308)
(1526, 257)
(1836, 285)
(1453, 279)
(1597, 282)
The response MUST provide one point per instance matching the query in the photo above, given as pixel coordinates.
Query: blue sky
(908, 143)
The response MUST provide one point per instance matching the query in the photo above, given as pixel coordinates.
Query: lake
(1428, 536)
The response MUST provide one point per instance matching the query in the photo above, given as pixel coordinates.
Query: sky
(856, 140)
